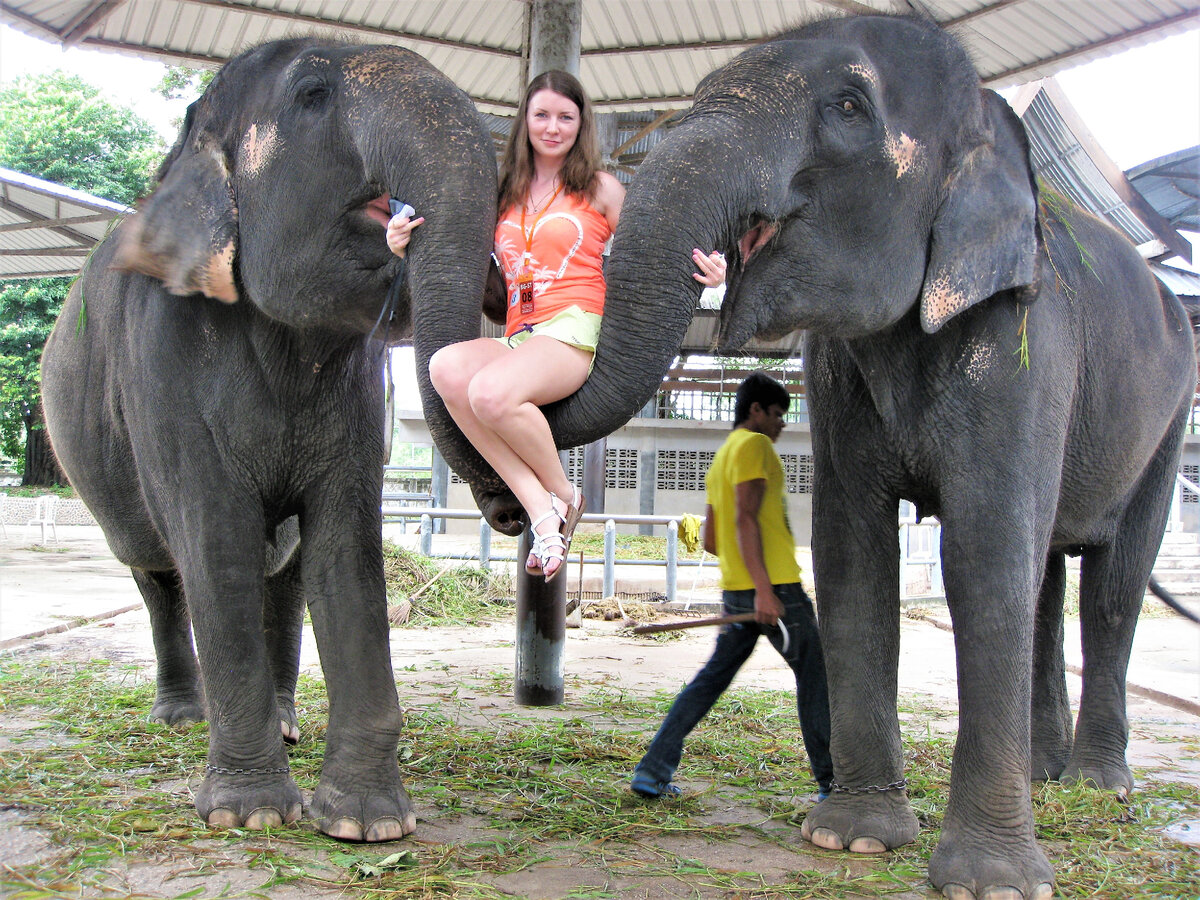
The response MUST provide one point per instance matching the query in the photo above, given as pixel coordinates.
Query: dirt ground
(77, 586)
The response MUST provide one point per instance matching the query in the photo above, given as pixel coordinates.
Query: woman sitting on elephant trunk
(557, 211)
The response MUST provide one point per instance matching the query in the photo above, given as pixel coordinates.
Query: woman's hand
(711, 266)
(399, 231)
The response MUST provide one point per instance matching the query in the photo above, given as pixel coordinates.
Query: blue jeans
(735, 643)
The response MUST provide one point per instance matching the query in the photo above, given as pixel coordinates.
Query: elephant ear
(985, 236)
(185, 234)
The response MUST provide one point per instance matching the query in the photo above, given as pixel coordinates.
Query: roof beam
(1163, 25)
(48, 251)
(230, 6)
(77, 29)
(641, 133)
(55, 223)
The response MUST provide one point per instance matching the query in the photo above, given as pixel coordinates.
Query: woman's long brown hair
(579, 169)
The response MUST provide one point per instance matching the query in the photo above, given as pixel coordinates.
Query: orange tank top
(566, 242)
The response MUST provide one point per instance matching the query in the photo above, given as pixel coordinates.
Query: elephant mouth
(755, 239)
(378, 210)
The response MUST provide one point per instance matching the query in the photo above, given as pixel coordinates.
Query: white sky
(1140, 104)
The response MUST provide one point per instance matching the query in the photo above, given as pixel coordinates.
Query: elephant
(973, 344)
(214, 391)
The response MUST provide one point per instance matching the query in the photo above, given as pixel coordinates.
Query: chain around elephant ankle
(870, 788)
(221, 770)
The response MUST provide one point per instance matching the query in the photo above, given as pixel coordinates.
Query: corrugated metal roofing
(635, 54)
(47, 229)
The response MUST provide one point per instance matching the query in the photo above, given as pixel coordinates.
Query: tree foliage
(59, 128)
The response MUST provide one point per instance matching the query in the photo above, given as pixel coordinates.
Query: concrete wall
(656, 466)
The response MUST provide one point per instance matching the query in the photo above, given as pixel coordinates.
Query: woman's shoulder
(608, 197)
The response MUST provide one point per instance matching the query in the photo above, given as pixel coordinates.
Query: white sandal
(555, 544)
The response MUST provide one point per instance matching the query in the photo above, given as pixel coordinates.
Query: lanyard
(529, 234)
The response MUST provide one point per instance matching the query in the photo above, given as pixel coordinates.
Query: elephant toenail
(345, 829)
(294, 812)
(264, 817)
(826, 839)
(1043, 891)
(1002, 892)
(954, 891)
(869, 845)
(387, 828)
(291, 734)
(222, 817)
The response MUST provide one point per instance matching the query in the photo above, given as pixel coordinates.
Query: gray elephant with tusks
(214, 390)
(1017, 373)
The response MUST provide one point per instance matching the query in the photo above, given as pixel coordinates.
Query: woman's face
(553, 123)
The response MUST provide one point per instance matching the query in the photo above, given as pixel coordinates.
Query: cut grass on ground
(82, 766)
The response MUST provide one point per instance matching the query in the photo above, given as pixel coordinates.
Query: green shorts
(572, 326)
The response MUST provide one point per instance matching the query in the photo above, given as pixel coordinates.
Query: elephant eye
(312, 90)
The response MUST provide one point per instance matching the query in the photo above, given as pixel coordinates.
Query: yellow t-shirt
(745, 456)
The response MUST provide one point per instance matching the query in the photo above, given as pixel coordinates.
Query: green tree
(59, 128)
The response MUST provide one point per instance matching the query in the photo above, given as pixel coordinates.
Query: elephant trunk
(444, 166)
(687, 195)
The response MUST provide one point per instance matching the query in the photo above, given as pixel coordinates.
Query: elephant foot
(248, 798)
(1114, 776)
(1048, 765)
(861, 823)
(185, 709)
(380, 815)
(289, 722)
(986, 866)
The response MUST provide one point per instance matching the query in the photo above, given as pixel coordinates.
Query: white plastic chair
(45, 511)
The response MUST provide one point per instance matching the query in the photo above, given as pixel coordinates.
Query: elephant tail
(1166, 597)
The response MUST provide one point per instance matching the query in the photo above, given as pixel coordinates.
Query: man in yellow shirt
(746, 527)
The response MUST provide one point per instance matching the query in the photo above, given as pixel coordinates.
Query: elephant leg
(1050, 716)
(283, 625)
(987, 841)
(360, 796)
(179, 694)
(856, 563)
(247, 783)
(1112, 586)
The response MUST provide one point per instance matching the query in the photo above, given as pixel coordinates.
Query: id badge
(525, 292)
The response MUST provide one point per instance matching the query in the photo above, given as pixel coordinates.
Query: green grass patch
(444, 592)
(111, 791)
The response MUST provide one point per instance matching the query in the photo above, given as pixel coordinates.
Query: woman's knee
(490, 403)
(450, 377)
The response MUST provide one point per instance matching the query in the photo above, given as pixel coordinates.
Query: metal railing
(671, 562)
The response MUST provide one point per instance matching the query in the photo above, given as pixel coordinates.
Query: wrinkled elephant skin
(214, 391)
(1010, 366)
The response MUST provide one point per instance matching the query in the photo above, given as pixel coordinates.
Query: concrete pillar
(542, 608)
(554, 36)
(439, 486)
(595, 475)
(647, 485)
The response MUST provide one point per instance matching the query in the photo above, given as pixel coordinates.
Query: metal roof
(1068, 157)
(635, 54)
(1171, 184)
(47, 229)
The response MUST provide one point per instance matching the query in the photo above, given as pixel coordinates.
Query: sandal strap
(553, 513)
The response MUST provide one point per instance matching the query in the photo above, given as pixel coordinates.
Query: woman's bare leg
(493, 394)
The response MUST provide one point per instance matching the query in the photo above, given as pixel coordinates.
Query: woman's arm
(610, 194)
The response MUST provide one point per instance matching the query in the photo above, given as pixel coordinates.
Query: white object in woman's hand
(711, 266)
(399, 231)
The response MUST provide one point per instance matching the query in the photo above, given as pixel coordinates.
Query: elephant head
(851, 170)
(276, 195)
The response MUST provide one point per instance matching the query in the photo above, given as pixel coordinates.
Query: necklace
(550, 194)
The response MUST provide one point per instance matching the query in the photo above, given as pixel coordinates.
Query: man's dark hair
(761, 389)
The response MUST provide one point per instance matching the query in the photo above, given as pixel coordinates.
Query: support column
(439, 486)
(554, 27)
(595, 475)
(554, 43)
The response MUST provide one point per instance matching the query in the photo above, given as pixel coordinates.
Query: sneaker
(649, 787)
